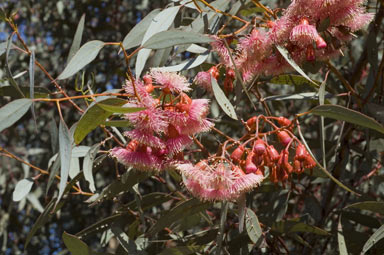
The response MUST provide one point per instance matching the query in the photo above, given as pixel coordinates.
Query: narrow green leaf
(53, 171)
(293, 226)
(292, 79)
(77, 39)
(222, 100)
(88, 166)
(373, 239)
(83, 57)
(22, 189)
(65, 146)
(8, 69)
(253, 226)
(117, 106)
(43, 218)
(32, 83)
(322, 129)
(93, 117)
(135, 36)
(186, 65)
(40, 92)
(128, 245)
(13, 111)
(118, 123)
(171, 38)
(284, 52)
(373, 206)
(342, 113)
(75, 245)
(181, 211)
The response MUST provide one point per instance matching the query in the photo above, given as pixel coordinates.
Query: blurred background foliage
(308, 219)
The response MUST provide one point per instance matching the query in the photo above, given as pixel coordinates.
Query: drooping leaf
(149, 201)
(93, 117)
(13, 111)
(75, 245)
(292, 79)
(373, 239)
(118, 123)
(40, 92)
(8, 69)
(83, 57)
(128, 245)
(88, 166)
(181, 211)
(339, 112)
(188, 64)
(22, 189)
(170, 38)
(299, 96)
(373, 206)
(65, 146)
(222, 100)
(253, 226)
(284, 52)
(117, 107)
(293, 226)
(161, 22)
(77, 39)
(32, 83)
(135, 36)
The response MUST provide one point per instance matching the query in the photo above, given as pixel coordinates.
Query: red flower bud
(287, 167)
(237, 154)
(147, 79)
(297, 168)
(250, 167)
(283, 121)
(228, 85)
(230, 73)
(251, 122)
(273, 174)
(284, 138)
(259, 147)
(214, 72)
(301, 152)
(320, 43)
(309, 162)
(273, 153)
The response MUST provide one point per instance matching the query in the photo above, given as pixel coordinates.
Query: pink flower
(170, 82)
(303, 34)
(143, 160)
(203, 79)
(152, 119)
(219, 46)
(146, 99)
(145, 137)
(217, 181)
(175, 141)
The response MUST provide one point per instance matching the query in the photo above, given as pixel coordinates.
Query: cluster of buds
(164, 129)
(255, 153)
(203, 79)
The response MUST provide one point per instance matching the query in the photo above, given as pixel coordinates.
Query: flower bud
(320, 43)
(283, 121)
(301, 152)
(214, 72)
(284, 138)
(309, 162)
(297, 168)
(251, 122)
(273, 154)
(259, 147)
(250, 167)
(228, 85)
(287, 167)
(230, 73)
(237, 154)
(147, 79)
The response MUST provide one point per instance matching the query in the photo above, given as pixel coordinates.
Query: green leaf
(40, 92)
(292, 226)
(65, 146)
(94, 116)
(128, 245)
(181, 211)
(8, 69)
(253, 226)
(75, 245)
(182, 250)
(135, 36)
(22, 189)
(116, 107)
(13, 111)
(324, 24)
(171, 38)
(118, 123)
(83, 57)
(222, 100)
(43, 218)
(149, 201)
(284, 52)
(88, 166)
(291, 79)
(186, 65)
(377, 207)
(32, 83)
(373, 239)
(344, 114)
(77, 39)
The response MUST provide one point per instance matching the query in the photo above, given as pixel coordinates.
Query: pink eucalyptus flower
(145, 137)
(303, 34)
(170, 82)
(140, 160)
(203, 79)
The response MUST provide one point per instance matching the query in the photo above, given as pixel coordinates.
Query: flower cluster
(308, 29)
(164, 128)
(218, 180)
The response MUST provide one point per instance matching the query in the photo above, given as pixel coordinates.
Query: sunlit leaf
(292, 79)
(342, 113)
(65, 146)
(77, 39)
(39, 92)
(253, 226)
(88, 166)
(8, 69)
(170, 38)
(13, 111)
(22, 189)
(117, 108)
(188, 64)
(83, 57)
(373, 206)
(373, 239)
(222, 100)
